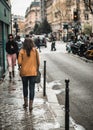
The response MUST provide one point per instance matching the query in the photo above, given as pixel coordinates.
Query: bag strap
(37, 61)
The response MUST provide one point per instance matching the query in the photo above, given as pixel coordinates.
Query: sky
(19, 6)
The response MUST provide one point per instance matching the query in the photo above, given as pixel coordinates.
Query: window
(86, 17)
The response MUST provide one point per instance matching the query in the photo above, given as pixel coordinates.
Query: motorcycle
(79, 48)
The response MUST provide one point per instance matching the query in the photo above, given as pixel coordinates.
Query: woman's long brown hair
(28, 45)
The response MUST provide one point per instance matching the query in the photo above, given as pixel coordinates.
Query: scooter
(89, 53)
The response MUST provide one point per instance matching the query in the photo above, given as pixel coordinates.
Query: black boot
(13, 73)
(10, 77)
(30, 105)
(25, 105)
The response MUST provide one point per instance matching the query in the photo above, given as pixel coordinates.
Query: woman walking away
(12, 50)
(27, 61)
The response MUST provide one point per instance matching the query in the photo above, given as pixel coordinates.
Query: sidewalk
(46, 114)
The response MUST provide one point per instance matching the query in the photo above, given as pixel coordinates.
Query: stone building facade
(60, 12)
(43, 9)
(32, 16)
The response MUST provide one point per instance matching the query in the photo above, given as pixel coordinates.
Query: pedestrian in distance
(38, 43)
(27, 36)
(27, 61)
(12, 51)
(53, 48)
(19, 43)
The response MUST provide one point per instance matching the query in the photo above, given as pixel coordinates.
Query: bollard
(67, 105)
(44, 88)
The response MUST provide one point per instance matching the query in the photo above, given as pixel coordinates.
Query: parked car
(43, 41)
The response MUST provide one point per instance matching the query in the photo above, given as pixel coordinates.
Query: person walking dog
(27, 61)
(12, 50)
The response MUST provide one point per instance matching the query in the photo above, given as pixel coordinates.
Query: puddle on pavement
(14, 117)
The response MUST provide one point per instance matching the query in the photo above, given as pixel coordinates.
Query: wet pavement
(45, 115)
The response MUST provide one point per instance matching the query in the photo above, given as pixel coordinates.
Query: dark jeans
(28, 81)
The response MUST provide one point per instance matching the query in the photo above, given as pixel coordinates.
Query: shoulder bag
(38, 77)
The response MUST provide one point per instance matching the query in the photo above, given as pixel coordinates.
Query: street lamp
(16, 25)
(11, 17)
(76, 19)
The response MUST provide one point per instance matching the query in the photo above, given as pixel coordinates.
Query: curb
(57, 110)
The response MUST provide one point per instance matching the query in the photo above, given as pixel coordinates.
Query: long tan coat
(28, 65)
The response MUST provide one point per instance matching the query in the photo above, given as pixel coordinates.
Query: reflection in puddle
(11, 86)
(14, 117)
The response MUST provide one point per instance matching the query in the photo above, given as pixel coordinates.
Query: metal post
(67, 105)
(15, 26)
(44, 89)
